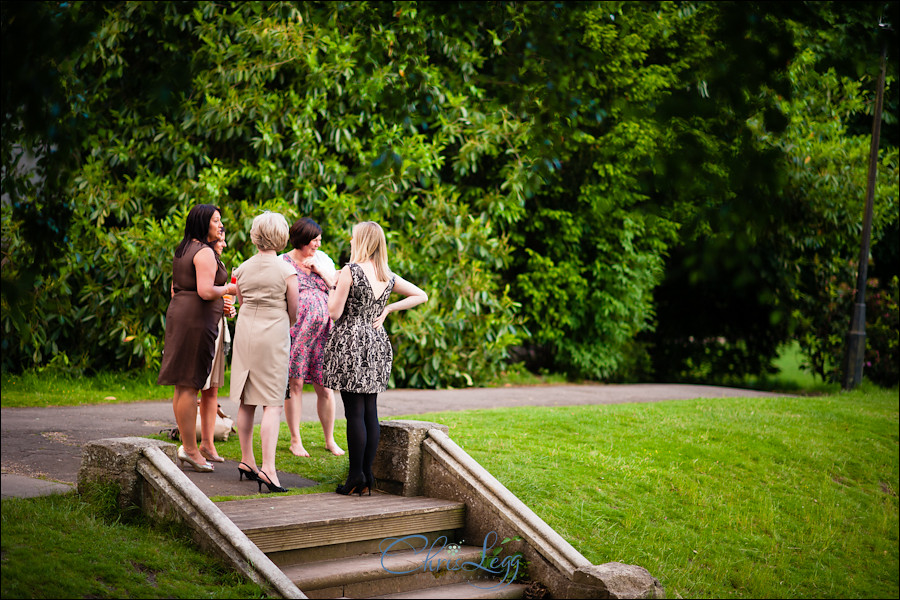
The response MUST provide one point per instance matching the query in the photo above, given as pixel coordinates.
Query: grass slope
(792, 497)
(750, 498)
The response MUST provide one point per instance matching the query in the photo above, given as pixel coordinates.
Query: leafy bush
(770, 261)
(825, 337)
(883, 335)
(255, 106)
(533, 163)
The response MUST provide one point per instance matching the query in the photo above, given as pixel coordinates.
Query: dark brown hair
(303, 231)
(196, 226)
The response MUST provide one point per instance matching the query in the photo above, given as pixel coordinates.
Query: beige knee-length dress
(262, 339)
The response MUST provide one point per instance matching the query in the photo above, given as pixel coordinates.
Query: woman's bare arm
(293, 299)
(414, 297)
(337, 299)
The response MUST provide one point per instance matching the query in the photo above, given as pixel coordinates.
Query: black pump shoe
(249, 473)
(354, 487)
(272, 487)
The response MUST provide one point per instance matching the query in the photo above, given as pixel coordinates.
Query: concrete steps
(463, 591)
(379, 546)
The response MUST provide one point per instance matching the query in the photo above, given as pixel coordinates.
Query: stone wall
(419, 459)
(114, 461)
(398, 462)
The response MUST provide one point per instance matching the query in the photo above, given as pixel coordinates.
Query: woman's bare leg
(209, 408)
(268, 434)
(184, 405)
(245, 433)
(293, 410)
(325, 408)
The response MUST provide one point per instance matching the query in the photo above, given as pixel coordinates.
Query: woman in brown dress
(209, 394)
(269, 299)
(198, 284)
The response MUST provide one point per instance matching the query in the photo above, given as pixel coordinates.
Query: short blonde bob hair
(270, 231)
(369, 244)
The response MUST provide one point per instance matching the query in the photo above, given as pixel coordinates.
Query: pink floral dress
(309, 335)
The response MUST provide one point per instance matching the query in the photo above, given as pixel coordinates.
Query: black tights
(363, 433)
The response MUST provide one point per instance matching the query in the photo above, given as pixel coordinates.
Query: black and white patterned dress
(358, 356)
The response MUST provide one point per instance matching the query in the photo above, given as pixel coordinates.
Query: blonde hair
(370, 244)
(269, 231)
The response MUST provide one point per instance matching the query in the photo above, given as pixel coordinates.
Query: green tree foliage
(648, 128)
(818, 243)
(769, 263)
(39, 138)
(534, 164)
(306, 109)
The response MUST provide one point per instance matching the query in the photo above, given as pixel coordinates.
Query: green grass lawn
(746, 498)
(46, 388)
(792, 376)
(790, 497)
(64, 546)
(49, 388)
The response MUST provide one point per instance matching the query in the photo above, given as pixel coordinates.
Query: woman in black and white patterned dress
(358, 354)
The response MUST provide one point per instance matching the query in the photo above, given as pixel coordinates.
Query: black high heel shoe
(249, 473)
(354, 487)
(272, 487)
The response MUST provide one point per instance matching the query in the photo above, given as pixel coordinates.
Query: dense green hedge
(535, 164)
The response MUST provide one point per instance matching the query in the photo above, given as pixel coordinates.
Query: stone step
(462, 591)
(350, 549)
(282, 523)
(397, 570)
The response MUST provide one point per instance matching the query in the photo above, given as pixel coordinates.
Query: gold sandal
(208, 456)
(184, 458)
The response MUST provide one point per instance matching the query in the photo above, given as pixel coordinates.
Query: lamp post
(856, 337)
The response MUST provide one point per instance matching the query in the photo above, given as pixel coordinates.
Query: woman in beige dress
(269, 298)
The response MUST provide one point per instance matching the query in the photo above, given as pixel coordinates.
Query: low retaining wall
(148, 479)
(447, 471)
(414, 458)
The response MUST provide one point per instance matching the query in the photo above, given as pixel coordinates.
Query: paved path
(41, 447)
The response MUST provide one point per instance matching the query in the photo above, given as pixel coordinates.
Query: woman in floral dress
(315, 276)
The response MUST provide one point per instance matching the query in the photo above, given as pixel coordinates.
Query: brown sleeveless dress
(191, 325)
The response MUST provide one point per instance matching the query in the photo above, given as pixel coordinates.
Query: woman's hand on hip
(379, 322)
